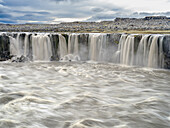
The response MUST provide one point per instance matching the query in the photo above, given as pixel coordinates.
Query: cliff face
(166, 48)
(4, 47)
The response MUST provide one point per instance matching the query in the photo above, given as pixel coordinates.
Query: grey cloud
(31, 17)
(116, 9)
(7, 21)
(4, 15)
(65, 9)
(66, 0)
(33, 12)
(47, 10)
(16, 2)
(13, 8)
(97, 9)
(143, 14)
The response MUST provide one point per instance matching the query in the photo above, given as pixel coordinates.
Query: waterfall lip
(84, 33)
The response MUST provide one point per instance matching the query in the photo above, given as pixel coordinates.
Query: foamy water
(83, 95)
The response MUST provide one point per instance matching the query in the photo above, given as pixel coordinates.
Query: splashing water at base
(83, 95)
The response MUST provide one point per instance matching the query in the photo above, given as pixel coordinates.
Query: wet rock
(66, 37)
(4, 47)
(166, 50)
(83, 39)
(70, 58)
(55, 43)
(19, 59)
(137, 41)
(113, 38)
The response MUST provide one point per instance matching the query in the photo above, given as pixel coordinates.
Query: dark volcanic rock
(19, 59)
(113, 38)
(4, 47)
(55, 43)
(137, 41)
(166, 49)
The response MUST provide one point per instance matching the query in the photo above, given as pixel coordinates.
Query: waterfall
(149, 51)
(143, 51)
(121, 48)
(19, 47)
(102, 47)
(153, 53)
(139, 50)
(41, 46)
(26, 45)
(73, 46)
(15, 45)
(126, 49)
(161, 54)
(97, 47)
(93, 47)
(62, 46)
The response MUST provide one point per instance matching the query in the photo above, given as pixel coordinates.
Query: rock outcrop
(119, 24)
(4, 47)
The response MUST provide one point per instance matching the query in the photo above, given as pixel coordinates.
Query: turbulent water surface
(83, 95)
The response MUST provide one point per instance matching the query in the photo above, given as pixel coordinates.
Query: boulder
(19, 59)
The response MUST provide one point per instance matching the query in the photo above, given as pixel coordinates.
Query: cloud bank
(56, 11)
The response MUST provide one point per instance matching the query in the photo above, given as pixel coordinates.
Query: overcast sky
(55, 11)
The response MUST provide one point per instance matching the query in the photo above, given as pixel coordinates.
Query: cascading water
(161, 54)
(145, 51)
(26, 45)
(41, 46)
(73, 46)
(93, 39)
(62, 46)
(149, 52)
(119, 53)
(126, 48)
(153, 53)
(98, 50)
(15, 45)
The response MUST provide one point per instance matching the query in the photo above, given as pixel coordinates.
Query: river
(83, 95)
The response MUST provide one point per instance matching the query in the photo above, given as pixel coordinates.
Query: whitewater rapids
(83, 95)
